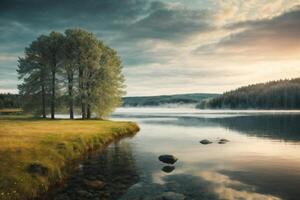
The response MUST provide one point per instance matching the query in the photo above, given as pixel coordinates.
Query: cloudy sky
(167, 46)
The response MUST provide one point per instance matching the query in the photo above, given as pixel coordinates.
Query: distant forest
(282, 94)
(195, 98)
(10, 101)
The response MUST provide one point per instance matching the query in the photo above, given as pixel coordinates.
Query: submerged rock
(205, 142)
(85, 194)
(38, 169)
(223, 141)
(169, 159)
(170, 196)
(95, 184)
(168, 169)
(62, 197)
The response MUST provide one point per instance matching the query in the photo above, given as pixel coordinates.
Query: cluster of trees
(73, 70)
(282, 94)
(10, 101)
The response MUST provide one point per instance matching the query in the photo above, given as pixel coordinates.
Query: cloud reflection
(227, 188)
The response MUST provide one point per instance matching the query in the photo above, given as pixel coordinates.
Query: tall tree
(53, 59)
(109, 83)
(34, 72)
(70, 63)
(86, 56)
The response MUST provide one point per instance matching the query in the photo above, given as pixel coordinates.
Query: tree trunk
(53, 96)
(88, 90)
(71, 101)
(82, 96)
(88, 115)
(43, 100)
(82, 110)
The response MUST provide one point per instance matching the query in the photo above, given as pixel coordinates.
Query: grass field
(34, 153)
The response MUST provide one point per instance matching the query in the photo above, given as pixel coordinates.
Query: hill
(282, 94)
(195, 98)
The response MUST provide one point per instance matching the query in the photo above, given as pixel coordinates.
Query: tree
(91, 71)
(86, 55)
(53, 59)
(109, 83)
(34, 72)
(70, 63)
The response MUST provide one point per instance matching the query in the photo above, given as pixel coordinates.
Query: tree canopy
(72, 69)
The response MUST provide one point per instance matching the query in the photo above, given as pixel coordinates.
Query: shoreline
(44, 152)
(76, 167)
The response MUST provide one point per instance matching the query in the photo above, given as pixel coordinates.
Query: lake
(260, 161)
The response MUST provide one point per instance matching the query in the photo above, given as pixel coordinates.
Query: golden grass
(51, 144)
(10, 111)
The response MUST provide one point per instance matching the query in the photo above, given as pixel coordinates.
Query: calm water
(261, 161)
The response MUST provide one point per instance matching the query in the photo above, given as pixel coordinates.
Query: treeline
(10, 101)
(70, 70)
(194, 98)
(282, 94)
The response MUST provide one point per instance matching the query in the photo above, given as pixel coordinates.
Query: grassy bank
(34, 153)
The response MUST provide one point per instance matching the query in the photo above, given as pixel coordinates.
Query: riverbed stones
(205, 142)
(94, 184)
(84, 194)
(37, 169)
(169, 159)
(170, 196)
(62, 197)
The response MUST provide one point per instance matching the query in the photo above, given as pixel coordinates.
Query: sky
(167, 46)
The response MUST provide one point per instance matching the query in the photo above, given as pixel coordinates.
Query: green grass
(50, 144)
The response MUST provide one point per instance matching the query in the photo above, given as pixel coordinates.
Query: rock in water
(169, 159)
(171, 196)
(95, 184)
(168, 169)
(223, 141)
(205, 142)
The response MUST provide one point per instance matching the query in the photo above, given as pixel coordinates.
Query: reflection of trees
(117, 165)
(285, 127)
(280, 126)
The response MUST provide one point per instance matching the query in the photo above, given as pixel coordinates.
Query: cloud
(277, 37)
(7, 58)
(168, 22)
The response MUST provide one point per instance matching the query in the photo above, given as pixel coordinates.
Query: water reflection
(283, 127)
(260, 161)
(168, 169)
(105, 176)
(227, 188)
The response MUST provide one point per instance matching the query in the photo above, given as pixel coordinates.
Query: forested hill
(166, 99)
(282, 94)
